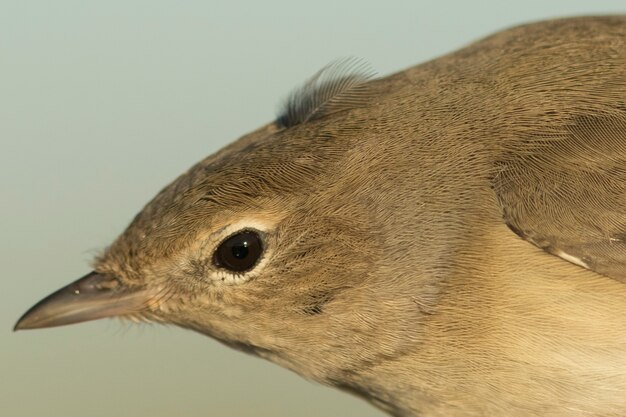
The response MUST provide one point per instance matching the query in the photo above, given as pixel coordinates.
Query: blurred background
(104, 102)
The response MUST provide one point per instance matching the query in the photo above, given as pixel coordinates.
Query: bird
(448, 240)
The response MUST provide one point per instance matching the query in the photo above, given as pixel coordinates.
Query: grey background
(102, 104)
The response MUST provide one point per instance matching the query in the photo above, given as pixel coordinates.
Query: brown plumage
(446, 241)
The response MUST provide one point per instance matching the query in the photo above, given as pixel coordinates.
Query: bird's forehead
(282, 163)
(268, 172)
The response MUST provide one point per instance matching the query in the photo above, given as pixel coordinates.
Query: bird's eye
(239, 252)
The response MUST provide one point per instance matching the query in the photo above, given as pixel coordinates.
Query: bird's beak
(91, 297)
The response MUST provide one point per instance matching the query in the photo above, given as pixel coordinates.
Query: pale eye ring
(239, 252)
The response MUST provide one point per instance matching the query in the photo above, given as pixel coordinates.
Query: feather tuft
(339, 86)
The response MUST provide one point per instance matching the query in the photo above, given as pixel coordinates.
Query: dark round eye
(239, 252)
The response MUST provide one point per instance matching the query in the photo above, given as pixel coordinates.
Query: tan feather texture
(410, 238)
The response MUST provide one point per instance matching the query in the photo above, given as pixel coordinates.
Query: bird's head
(273, 245)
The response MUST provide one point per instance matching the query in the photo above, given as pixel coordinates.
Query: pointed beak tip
(30, 320)
(24, 323)
(19, 326)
